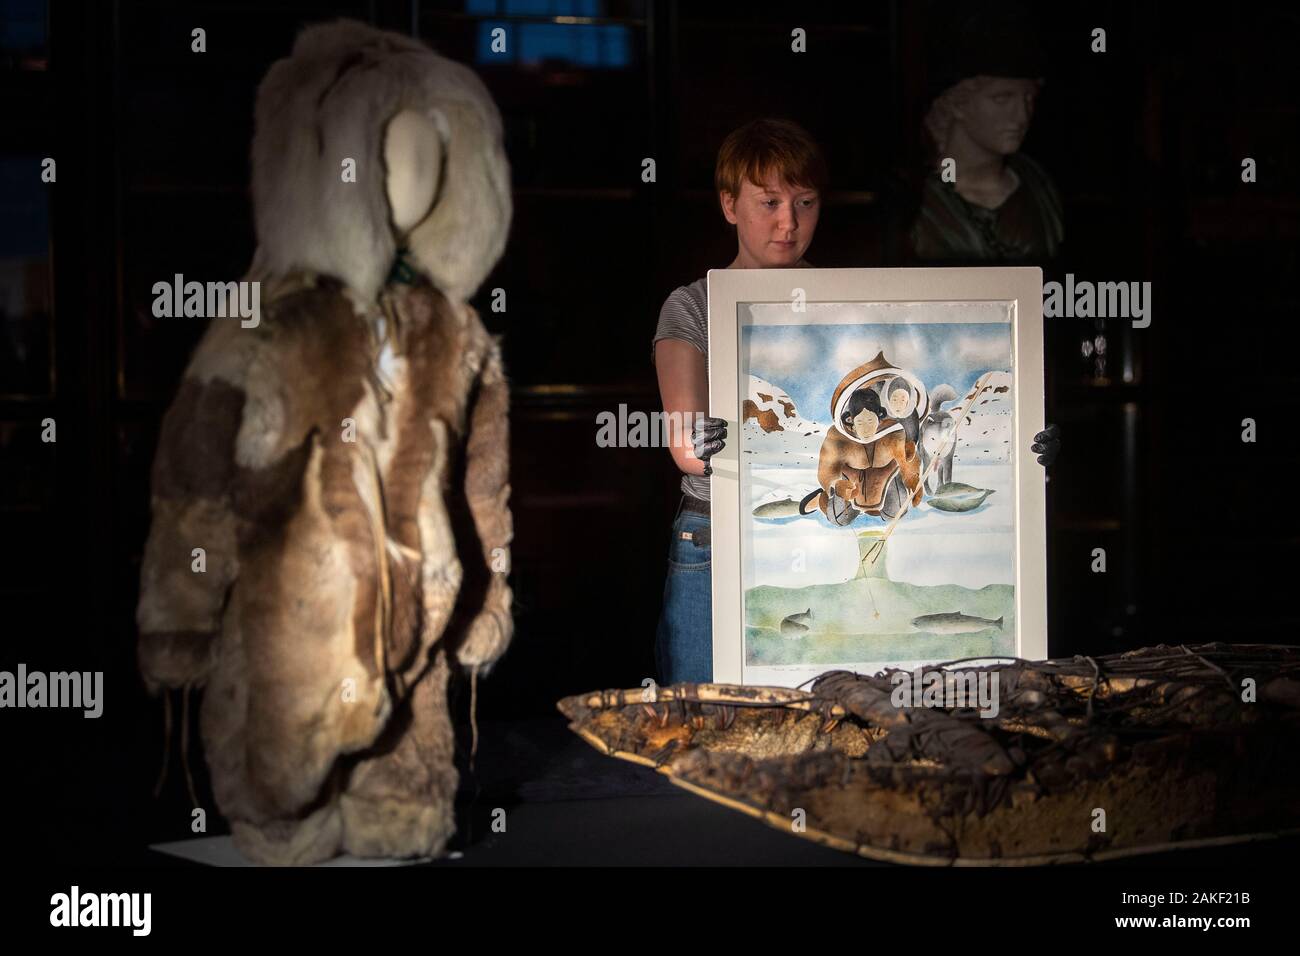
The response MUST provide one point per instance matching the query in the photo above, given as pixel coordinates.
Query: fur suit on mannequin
(344, 463)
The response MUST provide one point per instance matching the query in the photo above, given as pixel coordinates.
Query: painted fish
(953, 622)
(796, 625)
(785, 508)
(956, 496)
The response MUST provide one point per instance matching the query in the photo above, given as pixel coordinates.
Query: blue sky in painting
(808, 361)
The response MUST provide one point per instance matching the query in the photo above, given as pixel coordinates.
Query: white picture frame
(811, 324)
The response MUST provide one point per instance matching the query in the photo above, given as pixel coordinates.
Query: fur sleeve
(182, 591)
(487, 489)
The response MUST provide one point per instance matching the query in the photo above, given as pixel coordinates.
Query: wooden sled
(1090, 758)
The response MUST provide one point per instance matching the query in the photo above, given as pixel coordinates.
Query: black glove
(707, 438)
(1046, 444)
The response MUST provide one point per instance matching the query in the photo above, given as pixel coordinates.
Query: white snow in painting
(929, 547)
(986, 437)
(796, 434)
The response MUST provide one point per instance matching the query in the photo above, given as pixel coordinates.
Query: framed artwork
(876, 503)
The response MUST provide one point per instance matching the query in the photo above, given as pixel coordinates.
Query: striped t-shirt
(685, 316)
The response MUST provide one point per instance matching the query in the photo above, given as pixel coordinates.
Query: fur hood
(331, 100)
(866, 374)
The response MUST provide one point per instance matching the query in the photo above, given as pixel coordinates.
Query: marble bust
(983, 199)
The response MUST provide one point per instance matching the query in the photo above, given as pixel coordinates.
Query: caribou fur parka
(330, 529)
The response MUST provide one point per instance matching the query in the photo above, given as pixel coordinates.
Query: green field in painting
(870, 619)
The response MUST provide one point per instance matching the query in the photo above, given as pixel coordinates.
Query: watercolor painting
(877, 482)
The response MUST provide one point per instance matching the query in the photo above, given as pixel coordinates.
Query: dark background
(1144, 141)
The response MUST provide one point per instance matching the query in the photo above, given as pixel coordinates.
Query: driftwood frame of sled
(728, 289)
(1164, 739)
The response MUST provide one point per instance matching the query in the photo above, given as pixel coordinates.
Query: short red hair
(766, 146)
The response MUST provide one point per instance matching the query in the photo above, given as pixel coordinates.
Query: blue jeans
(684, 639)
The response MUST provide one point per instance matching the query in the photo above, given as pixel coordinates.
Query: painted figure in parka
(870, 461)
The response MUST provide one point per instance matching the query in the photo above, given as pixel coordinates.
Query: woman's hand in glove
(708, 438)
(1047, 444)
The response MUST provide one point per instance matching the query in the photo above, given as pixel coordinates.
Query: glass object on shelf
(1094, 348)
(24, 278)
(1099, 357)
(1128, 358)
